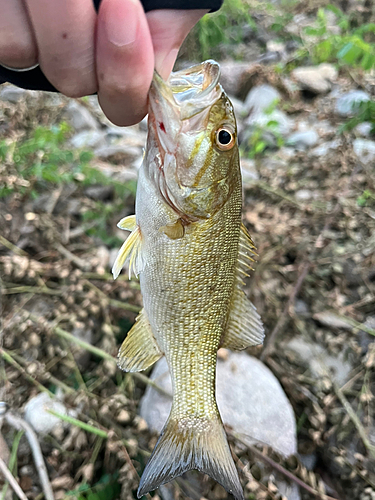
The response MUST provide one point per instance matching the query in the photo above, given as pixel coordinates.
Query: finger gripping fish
(191, 251)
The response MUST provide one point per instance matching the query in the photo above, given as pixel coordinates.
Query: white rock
(108, 150)
(80, 117)
(320, 362)
(260, 98)
(281, 123)
(248, 171)
(12, 94)
(250, 399)
(347, 104)
(304, 139)
(324, 148)
(303, 195)
(365, 150)
(317, 79)
(364, 129)
(37, 416)
(88, 139)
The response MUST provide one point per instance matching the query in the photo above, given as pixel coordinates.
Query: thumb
(168, 29)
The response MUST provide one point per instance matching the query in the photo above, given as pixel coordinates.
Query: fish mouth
(184, 97)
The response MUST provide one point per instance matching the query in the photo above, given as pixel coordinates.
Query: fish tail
(191, 443)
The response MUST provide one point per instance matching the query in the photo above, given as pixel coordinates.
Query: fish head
(193, 128)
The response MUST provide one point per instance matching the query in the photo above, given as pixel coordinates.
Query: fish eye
(224, 139)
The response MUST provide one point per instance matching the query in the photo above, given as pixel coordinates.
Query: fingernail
(121, 23)
(164, 62)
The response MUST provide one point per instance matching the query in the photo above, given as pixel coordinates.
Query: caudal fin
(191, 444)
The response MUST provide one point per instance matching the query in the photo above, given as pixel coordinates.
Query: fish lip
(186, 94)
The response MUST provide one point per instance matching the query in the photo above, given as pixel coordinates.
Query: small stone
(123, 417)
(108, 151)
(12, 94)
(316, 79)
(347, 104)
(304, 195)
(99, 192)
(37, 416)
(320, 363)
(260, 98)
(88, 139)
(364, 129)
(303, 140)
(249, 171)
(328, 318)
(365, 150)
(80, 117)
(324, 148)
(62, 482)
(250, 399)
(232, 74)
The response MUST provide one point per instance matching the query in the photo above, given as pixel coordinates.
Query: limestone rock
(365, 150)
(348, 103)
(80, 117)
(316, 79)
(37, 416)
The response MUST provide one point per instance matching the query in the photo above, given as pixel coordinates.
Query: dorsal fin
(131, 248)
(244, 326)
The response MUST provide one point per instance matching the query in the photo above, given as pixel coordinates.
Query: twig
(98, 352)
(32, 289)
(354, 418)
(79, 423)
(282, 470)
(9, 359)
(10, 246)
(71, 257)
(281, 321)
(20, 424)
(12, 481)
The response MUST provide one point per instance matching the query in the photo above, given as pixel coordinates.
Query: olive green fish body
(191, 252)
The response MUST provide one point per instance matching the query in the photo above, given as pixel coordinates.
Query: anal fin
(139, 350)
(131, 248)
(244, 326)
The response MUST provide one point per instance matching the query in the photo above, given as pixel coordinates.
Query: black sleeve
(35, 80)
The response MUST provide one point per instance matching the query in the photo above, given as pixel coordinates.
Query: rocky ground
(300, 410)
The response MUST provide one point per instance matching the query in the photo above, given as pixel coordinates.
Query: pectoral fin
(131, 249)
(244, 327)
(139, 350)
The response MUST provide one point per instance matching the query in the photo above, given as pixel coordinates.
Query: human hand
(81, 52)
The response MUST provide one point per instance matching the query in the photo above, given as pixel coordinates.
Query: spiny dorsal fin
(244, 326)
(131, 248)
(139, 350)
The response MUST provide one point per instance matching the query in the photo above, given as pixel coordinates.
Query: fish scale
(191, 251)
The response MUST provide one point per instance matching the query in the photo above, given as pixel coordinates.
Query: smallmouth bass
(191, 251)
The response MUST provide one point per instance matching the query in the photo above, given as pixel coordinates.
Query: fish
(192, 253)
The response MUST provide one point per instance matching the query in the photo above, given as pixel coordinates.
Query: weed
(225, 27)
(366, 198)
(351, 47)
(364, 112)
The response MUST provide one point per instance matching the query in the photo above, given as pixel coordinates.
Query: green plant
(364, 112)
(366, 198)
(223, 27)
(257, 143)
(351, 47)
(107, 488)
